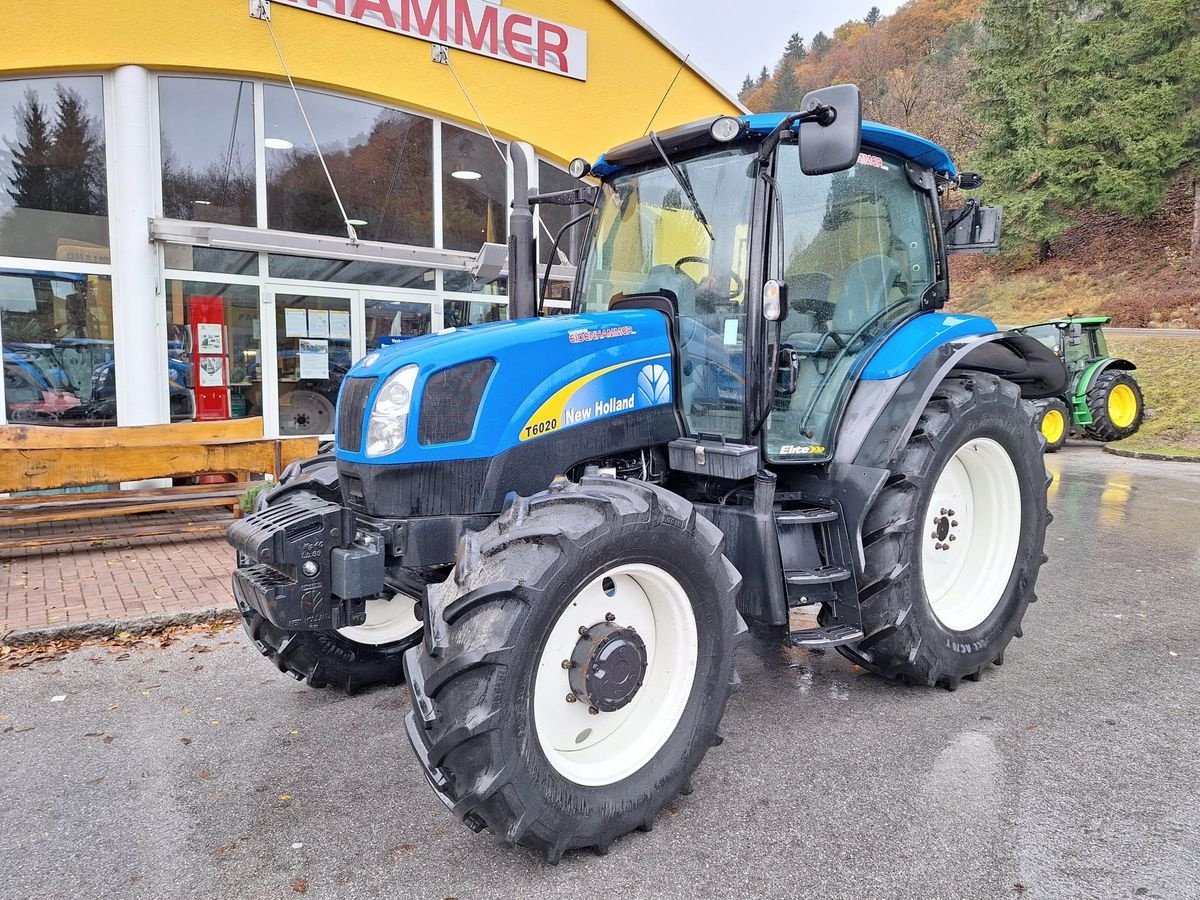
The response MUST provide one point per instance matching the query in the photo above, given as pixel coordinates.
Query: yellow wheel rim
(1053, 426)
(1122, 405)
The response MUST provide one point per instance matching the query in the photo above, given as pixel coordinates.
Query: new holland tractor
(1100, 397)
(555, 528)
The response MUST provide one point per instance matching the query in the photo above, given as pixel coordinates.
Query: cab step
(821, 575)
(811, 516)
(827, 636)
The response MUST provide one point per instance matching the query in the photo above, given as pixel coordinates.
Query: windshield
(648, 238)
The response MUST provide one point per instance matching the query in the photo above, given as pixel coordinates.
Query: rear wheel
(1115, 401)
(350, 659)
(954, 542)
(1054, 422)
(577, 665)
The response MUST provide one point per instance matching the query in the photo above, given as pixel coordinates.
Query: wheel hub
(607, 666)
(944, 529)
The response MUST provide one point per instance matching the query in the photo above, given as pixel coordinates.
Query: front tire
(1115, 402)
(1053, 420)
(577, 665)
(954, 543)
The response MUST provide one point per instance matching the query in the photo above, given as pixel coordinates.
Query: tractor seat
(864, 292)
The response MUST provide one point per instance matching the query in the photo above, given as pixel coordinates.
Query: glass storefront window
(213, 350)
(53, 181)
(341, 271)
(313, 347)
(474, 190)
(206, 128)
(380, 160)
(210, 259)
(57, 333)
(462, 283)
(390, 321)
(551, 179)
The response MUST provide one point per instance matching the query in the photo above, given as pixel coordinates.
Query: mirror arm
(823, 115)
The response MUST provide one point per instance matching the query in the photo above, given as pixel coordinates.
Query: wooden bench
(37, 458)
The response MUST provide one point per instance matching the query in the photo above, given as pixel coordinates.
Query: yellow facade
(628, 69)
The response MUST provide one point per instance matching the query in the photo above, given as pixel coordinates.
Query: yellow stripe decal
(549, 416)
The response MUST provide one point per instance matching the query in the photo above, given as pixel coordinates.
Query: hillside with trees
(1084, 118)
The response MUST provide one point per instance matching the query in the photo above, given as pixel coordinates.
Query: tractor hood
(484, 391)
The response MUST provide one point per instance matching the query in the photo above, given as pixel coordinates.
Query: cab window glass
(856, 252)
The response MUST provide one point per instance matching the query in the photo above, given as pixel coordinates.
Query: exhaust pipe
(522, 239)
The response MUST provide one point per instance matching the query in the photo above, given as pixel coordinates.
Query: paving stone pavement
(87, 581)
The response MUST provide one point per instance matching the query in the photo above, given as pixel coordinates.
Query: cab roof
(901, 143)
(1068, 320)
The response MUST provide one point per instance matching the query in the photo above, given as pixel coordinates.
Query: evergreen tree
(77, 158)
(820, 44)
(787, 94)
(794, 52)
(1128, 97)
(873, 16)
(747, 87)
(763, 76)
(1017, 99)
(30, 184)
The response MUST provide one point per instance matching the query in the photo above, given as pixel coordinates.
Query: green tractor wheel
(1115, 401)
(1054, 422)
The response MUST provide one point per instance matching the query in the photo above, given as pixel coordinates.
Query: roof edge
(682, 57)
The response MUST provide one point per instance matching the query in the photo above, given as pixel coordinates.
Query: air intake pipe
(522, 239)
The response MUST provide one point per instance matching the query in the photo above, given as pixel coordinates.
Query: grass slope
(1168, 370)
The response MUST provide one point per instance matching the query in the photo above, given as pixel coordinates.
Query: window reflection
(380, 160)
(390, 321)
(342, 271)
(53, 185)
(57, 332)
(207, 140)
(474, 190)
(458, 313)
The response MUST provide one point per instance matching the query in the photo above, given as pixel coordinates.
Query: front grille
(450, 403)
(352, 409)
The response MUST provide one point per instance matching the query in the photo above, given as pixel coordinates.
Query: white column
(138, 318)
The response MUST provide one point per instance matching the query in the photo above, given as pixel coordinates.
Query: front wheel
(954, 543)
(576, 665)
(1053, 420)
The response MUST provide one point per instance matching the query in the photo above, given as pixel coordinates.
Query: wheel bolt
(943, 510)
(954, 523)
(951, 512)
(583, 629)
(571, 698)
(609, 617)
(933, 534)
(566, 664)
(592, 711)
(952, 537)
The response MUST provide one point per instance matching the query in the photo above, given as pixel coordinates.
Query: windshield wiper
(684, 183)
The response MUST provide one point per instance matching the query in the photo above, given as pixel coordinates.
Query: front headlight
(389, 416)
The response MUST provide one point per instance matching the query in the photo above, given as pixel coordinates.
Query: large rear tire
(1115, 402)
(576, 666)
(954, 542)
(349, 659)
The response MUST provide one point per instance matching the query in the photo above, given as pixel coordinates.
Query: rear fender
(883, 413)
(1079, 405)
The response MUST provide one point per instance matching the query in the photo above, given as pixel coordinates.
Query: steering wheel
(709, 284)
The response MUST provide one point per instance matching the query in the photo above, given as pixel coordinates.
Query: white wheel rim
(970, 534)
(387, 621)
(609, 746)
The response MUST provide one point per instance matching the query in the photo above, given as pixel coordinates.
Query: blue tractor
(556, 528)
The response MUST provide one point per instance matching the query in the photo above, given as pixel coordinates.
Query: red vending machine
(210, 358)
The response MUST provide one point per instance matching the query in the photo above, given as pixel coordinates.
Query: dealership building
(171, 247)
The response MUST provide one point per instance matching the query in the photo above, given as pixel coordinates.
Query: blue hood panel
(551, 374)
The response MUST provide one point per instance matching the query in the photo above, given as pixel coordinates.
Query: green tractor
(1102, 398)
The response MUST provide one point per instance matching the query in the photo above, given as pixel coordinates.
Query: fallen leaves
(300, 885)
(24, 655)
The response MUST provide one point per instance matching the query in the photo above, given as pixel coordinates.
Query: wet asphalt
(197, 771)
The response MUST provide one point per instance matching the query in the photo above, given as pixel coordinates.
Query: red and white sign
(476, 26)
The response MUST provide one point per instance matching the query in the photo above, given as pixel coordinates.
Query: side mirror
(831, 142)
(1075, 333)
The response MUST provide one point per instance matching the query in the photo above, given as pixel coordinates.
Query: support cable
(304, 115)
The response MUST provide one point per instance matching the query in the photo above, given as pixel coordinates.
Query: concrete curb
(1141, 454)
(107, 628)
